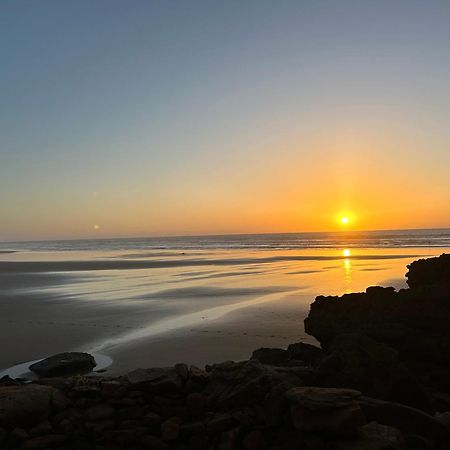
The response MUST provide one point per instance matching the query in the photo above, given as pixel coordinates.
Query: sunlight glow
(346, 252)
(345, 220)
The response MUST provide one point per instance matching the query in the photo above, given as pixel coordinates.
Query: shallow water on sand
(154, 306)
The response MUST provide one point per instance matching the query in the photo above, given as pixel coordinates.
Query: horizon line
(217, 235)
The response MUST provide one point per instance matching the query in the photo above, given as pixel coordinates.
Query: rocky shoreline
(380, 381)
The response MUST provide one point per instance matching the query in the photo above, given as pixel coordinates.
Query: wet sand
(156, 311)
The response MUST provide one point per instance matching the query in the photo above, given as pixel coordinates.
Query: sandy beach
(160, 307)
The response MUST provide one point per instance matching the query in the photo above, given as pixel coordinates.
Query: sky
(141, 118)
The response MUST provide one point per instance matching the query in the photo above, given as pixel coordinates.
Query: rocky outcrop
(429, 272)
(233, 405)
(64, 364)
(359, 362)
(415, 321)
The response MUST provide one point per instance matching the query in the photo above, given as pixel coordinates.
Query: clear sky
(123, 118)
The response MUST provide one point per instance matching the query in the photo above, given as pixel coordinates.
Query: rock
(44, 442)
(229, 440)
(152, 420)
(161, 381)
(132, 412)
(3, 436)
(246, 383)
(110, 388)
(254, 440)
(153, 443)
(196, 403)
(275, 405)
(99, 426)
(414, 321)
(170, 430)
(444, 419)
(27, 405)
(374, 436)
(321, 399)
(219, 423)
(406, 419)
(326, 410)
(64, 364)
(182, 370)
(19, 434)
(430, 271)
(190, 428)
(271, 356)
(41, 428)
(99, 412)
(308, 353)
(359, 362)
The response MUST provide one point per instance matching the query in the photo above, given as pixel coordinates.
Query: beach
(194, 303)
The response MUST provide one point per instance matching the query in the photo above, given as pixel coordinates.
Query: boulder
(233, 385)
(64, 364)
(160, 380)
(359, 362)
(406, 419)
(374, 436)
(27, 405)
(329, 411)
(308, 353)
(271, 356)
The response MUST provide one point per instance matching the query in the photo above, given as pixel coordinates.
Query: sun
(345, 220)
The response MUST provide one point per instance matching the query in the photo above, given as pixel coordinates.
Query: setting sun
(345, 220)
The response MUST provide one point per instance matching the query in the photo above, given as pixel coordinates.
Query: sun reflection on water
(347, 270)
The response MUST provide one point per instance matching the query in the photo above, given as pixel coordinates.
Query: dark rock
(19, 435)
(132, 412)
(196, 403)
(308, 353)
(330, 411)
(182, 370)
(110, 388)
(161, 381)
(239, 384)
(408, 420)
(99, 426)
(152, 420)
(26, 405)
(3, 436)
(415, 321)
(271, 356)
(64, 364)
(170, 429)
(42, 428)
(430, 271)
(374, 436)
(44, 442)
(359, 362)
(153, 443)
(229, 440)
(198, 442)
(191, 428)
(99, 412)
(254, 440)
(275, 405)
(219, 423)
